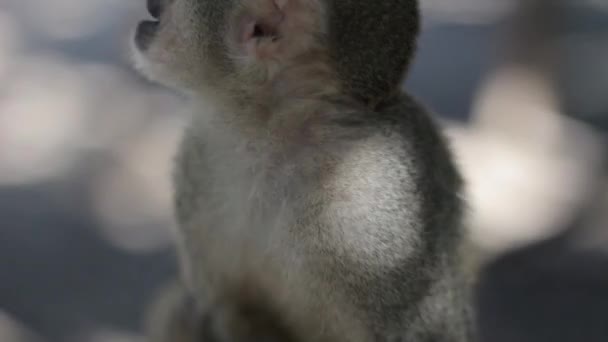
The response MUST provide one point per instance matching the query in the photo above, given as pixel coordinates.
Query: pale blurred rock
(42, 112)
(133, 199)
(527, 167)
(71, 19)
(12, 331)
(120, 107)
(10, 44)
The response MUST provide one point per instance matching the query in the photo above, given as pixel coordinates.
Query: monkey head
(225, 45)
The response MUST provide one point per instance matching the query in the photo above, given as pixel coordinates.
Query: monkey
(316, 200)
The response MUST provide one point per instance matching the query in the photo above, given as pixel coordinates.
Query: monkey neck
(289, 100)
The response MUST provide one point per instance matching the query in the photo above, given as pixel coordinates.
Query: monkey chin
(139, 55)
(142, 64)
(146, 63)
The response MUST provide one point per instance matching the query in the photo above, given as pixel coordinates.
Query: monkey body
(315, 203)
(347, 229)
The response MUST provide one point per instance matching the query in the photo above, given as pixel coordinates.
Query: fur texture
(316, 201)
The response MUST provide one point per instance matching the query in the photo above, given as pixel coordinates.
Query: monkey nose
(155, 8)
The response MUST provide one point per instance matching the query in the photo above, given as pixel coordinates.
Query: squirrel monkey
(316, 200)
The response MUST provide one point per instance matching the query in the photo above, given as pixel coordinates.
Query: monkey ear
(267, 29)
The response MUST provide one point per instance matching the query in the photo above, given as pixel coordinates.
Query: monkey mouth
(145, 33)
(146, 30)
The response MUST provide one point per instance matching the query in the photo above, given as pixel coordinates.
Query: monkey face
(222, 44)
(183, 46)
(233, 46)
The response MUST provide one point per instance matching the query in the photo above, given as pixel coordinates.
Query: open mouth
(146, 30)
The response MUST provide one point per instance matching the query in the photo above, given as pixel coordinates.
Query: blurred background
(86, 148)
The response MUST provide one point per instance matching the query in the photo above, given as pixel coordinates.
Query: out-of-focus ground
(86, 145)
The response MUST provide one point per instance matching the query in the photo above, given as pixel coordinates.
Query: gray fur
(316, 201)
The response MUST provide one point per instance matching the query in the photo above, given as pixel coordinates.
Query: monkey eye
(258, 31)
